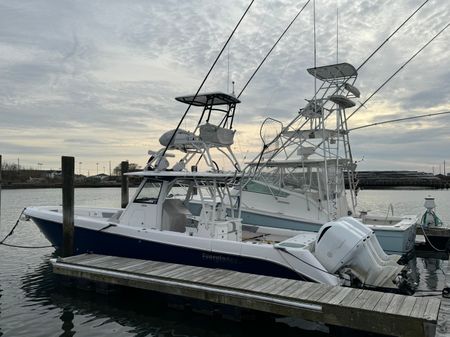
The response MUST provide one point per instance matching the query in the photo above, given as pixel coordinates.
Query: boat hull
(102, 242)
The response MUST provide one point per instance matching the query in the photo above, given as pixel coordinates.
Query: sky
(97, 79)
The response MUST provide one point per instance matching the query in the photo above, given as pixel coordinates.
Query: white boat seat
(210, 133)
(174, 215)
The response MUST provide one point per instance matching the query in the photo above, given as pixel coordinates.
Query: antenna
(315, 51)
(337, 31)
(228, 70)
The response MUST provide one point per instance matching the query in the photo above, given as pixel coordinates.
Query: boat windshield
(149, 193)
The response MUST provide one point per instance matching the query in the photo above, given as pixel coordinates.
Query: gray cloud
(104, 73)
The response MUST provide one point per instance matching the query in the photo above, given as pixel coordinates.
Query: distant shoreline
(23, 186)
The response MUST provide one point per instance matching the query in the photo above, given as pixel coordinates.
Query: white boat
(298, 181)
(157, 224)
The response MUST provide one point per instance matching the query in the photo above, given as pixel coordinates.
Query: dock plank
(407, 306)
(319, 293)
(419, 307)
(361, 299)
(360, 309)
(350, 297)
(290, 284)
(372, 301)
(340, 296)
(305, 290)
(432, 310)
(396, 303)
(383, 303)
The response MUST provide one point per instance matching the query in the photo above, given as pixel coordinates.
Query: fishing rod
(399, 120)
(398, 70)
(381, 45)
(203, 82)
(392, 34)
(362, 64)
(273, 47)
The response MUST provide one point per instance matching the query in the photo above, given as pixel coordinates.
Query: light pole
(79, 167)
(97, 167)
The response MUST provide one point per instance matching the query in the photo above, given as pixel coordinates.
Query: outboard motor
(348, 246)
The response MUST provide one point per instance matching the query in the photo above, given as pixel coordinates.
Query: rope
(2, 242)
(425, 234)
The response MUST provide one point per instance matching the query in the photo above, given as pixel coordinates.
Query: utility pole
(444, 169)
(110, 168)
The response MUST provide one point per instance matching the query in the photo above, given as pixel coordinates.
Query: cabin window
(256, 187)
(149, 193)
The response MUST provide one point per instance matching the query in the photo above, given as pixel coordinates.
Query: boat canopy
(209, 99)
(334, 71)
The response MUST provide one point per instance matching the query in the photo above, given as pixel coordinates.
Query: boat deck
(365, 310)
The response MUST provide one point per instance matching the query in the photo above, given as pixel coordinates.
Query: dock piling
(68, 165)
(0, 189)
(124, 186)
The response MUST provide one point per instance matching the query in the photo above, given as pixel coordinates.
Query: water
(33, 303)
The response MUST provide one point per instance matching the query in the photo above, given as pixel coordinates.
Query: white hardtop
(333, 71)
(211, 98)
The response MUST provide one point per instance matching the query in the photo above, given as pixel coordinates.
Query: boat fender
(446, 292)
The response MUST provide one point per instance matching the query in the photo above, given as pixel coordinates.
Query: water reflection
(434, 268)
(128, 313)
(67, 323)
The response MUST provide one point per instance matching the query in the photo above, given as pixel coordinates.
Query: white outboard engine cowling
(347, 243)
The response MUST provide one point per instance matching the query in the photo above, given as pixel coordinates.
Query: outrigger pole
(362, 64)
(392, 34)
(400, 120)
(273, 47)
(203, 82)
(398, 70)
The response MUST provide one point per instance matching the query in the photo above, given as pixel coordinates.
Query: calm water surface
(32, 303)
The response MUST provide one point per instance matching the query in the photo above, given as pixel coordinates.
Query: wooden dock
(443, 324)
(383, 313)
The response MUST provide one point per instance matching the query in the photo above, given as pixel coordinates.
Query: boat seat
(214, 134)
(174, 215)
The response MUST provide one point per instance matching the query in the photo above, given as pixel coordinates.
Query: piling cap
(429, 203)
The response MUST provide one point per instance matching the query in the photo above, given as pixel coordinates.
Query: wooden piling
(124, 186)
(0, 188)
(68, 165)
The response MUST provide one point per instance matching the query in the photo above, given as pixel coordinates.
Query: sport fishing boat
(158, 225)
(297, 182)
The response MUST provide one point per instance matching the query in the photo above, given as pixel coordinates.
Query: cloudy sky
(96, 79)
